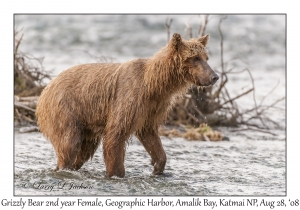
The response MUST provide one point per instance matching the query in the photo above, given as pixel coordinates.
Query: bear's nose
(214, 78)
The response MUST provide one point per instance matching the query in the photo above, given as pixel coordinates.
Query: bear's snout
(214, 78)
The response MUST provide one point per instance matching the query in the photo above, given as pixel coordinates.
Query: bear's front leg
(152, 143)
(114, 154)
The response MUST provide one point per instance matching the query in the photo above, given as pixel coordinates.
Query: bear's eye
(196, 59)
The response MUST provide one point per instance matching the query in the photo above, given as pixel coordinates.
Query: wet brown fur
(90, 103)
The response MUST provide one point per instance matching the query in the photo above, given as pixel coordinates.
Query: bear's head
(193, 56)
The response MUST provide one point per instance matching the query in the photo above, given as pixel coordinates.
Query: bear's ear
(176, 41)
(204, 39)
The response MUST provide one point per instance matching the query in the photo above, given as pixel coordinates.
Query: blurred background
(259, 40)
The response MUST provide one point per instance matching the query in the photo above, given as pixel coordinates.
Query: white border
(8, 8)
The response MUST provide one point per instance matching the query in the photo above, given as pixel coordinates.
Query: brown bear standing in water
(92, 102)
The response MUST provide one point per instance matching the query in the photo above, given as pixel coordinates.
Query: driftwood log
(24, 109)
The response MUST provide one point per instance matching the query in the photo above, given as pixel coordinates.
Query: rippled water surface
(241, 166)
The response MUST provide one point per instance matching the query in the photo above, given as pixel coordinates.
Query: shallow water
(241, 166)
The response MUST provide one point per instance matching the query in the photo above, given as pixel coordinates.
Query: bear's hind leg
(87, 151)
(67, 148)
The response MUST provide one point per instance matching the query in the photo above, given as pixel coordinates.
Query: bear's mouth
(203, 86)
(199, 84)
(207, 84)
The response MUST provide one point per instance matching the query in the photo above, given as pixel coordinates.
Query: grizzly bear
(109, 102)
